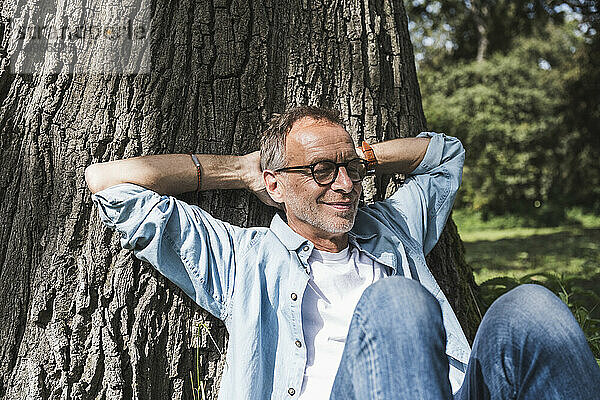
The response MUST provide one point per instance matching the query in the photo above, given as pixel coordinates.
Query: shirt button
(306, 248)
(294, 296)
(291, 391)
(298, 343)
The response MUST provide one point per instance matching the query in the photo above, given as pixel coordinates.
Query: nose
(342, 181)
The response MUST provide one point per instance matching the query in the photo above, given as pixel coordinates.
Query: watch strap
(369, 155)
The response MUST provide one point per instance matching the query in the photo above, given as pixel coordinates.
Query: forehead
(310, 140)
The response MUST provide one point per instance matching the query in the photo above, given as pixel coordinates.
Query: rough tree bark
(79, 317)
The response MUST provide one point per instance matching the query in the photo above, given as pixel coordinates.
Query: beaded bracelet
(197, 163)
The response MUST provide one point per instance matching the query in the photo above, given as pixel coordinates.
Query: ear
(272, 185)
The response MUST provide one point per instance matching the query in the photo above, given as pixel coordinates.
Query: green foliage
(582, 117)
(510, 112)
(528, 110)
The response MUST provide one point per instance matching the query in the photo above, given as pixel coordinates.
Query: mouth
(340, 205)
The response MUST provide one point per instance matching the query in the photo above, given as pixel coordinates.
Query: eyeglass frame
(337, 169)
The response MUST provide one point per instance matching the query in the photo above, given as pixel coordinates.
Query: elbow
(456, 143)
(457, 150)
(93, 178)
(459, 145)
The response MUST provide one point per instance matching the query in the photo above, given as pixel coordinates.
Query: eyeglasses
(326, 172)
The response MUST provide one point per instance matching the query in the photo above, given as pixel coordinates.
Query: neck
(325, 241)
(332, 245)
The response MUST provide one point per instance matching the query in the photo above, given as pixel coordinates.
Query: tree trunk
(480, 13)
(80, 318)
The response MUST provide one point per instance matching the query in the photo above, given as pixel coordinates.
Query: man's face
(324, 211)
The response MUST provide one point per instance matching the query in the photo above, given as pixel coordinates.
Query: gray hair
(272, 140)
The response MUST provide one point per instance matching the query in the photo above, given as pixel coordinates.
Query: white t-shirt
(337, 280)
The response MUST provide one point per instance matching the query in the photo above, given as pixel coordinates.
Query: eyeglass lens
(325, 172)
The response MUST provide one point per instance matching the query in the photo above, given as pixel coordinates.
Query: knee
(397, 291)
(530, 301)
(534, 311)
(400, 301)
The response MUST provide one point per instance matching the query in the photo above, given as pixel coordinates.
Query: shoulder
(258, 242)
(378, 218)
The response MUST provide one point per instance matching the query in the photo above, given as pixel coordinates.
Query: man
(308, 313)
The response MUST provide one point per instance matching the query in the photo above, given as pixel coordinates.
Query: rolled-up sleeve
(191, 248)
(426, 197)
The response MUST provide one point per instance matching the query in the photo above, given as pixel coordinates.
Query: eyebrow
(347, 157)
(318, 159)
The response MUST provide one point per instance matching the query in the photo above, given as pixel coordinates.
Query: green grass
(500, 247)
(505, 252)
(197, 384)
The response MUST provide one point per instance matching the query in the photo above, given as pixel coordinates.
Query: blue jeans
(528, 347)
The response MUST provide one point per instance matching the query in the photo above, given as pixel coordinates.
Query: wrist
(198, 168)
(249, 170)
(360, 153)
(368, 154)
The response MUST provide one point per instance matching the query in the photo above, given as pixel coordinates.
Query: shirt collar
(290, 239)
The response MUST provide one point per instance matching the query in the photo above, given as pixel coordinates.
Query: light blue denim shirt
(254, 279)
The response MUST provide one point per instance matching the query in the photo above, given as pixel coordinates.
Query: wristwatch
(369, 155)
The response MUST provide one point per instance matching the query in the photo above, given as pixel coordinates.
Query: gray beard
(310, 215)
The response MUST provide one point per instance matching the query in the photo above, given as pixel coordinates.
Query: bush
(512, 113)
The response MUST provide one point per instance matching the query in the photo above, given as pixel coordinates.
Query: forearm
(399, 155)
(170, 173)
